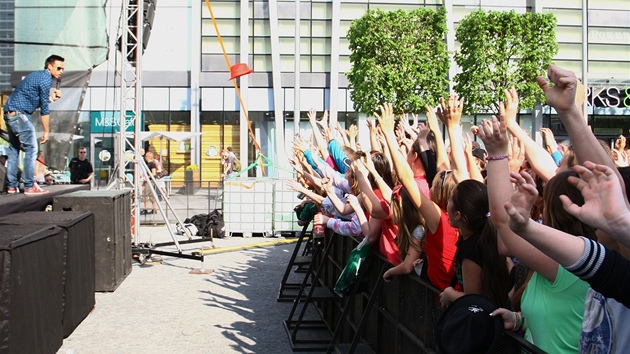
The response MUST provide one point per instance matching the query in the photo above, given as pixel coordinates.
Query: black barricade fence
(405, 311)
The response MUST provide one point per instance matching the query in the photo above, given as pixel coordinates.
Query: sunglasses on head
(444, 177)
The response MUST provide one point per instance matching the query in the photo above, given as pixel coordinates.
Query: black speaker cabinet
(31, 289)
(79, 259)
(112, 237)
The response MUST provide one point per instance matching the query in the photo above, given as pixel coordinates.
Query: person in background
(49, 180)
(148, 195)
(227, 159)
(81, 170)
(32, 93)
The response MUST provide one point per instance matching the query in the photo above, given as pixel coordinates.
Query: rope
(238, 91)
(260, 159)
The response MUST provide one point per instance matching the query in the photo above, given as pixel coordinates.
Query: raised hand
(561, 96)
(494, 135)
(386, 118)
(423, 131)
(620, 144)
(294, 185)
(432, 120)
(550, 139)
(369, 123)
(518, 208)
(353, 131)
(451, 114)
(312, 115)
(509, 108)
(604, 203)
(516, 154)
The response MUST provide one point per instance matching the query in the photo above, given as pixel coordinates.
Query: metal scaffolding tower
(130, 68)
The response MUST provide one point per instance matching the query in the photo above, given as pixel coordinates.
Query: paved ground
(162, 308)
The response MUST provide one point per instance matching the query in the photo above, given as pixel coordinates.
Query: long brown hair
(470, 198)
(407, 217)
(442, 187)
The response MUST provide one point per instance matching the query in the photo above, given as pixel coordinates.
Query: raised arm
(294, 185)
(443, 163)
(376, 146)
(451, 116)
(542, 163)
(429, 210)
(494, 135)
(371, 228)
(322, 144)
(562, 98)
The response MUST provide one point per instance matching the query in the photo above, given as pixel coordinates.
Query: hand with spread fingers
(386, 119)
(604, 203)
(516, 154)
(493, 133)
(450, 114)
(518, 208)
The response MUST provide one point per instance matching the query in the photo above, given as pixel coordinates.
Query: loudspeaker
(31, 288)
(112, 236)
(78, 282)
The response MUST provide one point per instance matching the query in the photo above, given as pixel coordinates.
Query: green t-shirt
(554, 312)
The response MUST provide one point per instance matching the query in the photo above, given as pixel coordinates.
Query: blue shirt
(32, 92)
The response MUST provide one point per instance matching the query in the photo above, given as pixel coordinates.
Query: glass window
(321, 45)
(261, 28)
(322, 11)
(322, 29)
(227, 27)
(286, 28)
(211, 45)
(222, 9)
(262, 63)
(262, 45)
(350, 11)
(609, 52)
(321, 64)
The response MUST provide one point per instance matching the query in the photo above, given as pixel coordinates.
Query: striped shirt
(31, 93)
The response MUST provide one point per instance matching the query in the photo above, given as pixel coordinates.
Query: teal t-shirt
(554, 312)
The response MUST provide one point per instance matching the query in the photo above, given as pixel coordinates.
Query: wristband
(496, 157)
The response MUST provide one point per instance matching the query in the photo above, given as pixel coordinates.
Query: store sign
(608, 97)
(109, 122)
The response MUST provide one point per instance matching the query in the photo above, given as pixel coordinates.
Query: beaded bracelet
(517, 321)
(497, 157)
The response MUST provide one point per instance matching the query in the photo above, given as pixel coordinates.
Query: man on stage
(32, 93)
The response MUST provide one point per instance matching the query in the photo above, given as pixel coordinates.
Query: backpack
(236, 165)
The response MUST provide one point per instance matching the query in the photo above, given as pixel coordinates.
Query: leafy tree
(398, 57)
(500, 50)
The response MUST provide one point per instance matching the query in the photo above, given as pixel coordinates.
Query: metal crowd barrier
(404, 311)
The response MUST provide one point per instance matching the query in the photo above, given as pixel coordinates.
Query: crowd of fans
(466, 218)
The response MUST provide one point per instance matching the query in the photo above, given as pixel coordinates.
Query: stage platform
(14, 203)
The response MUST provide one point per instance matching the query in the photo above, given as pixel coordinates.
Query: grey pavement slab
(161, 308)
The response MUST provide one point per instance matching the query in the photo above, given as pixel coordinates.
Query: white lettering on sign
(609, 35)
(608, 97)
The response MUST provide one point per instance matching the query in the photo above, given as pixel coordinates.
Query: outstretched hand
(604, 203)
(493, 133)
(386, 118)
(518, 208)
(451, 114)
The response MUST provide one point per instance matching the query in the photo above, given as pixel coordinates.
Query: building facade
(185, 78)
